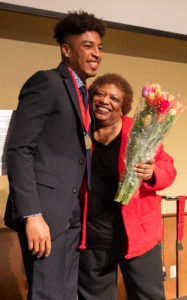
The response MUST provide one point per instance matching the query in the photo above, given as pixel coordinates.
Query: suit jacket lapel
(71, 91)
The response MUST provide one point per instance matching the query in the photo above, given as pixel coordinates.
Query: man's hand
(145, 171)
(38, 236)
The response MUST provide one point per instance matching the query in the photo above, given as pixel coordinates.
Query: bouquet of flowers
(154, 117)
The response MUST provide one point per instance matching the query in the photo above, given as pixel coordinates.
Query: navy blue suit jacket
(46, 154)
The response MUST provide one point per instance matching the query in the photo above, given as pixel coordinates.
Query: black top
(105, 229)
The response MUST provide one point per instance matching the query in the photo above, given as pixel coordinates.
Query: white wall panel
(164, 15)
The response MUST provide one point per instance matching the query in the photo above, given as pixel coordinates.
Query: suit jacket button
(81, 161)
(75, 190)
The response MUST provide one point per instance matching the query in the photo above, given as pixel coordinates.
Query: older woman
(126, 234)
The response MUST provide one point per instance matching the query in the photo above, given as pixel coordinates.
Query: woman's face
(107, 104)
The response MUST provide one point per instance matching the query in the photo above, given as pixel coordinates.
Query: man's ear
(65, 48)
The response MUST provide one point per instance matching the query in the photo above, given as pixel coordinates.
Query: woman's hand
(145, 171)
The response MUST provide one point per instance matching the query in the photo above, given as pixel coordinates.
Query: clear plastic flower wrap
(154, 116)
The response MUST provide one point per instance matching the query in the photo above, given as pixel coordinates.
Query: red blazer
(142, 216)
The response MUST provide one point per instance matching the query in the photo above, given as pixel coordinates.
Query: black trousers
(55, 277)
(142, 275)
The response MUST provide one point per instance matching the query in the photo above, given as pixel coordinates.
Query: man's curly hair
(77, 23)
(118, 81)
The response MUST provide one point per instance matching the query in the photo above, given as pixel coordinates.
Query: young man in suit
(46, 160)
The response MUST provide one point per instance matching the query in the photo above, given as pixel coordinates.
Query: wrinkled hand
(38, 236)
(145, 171)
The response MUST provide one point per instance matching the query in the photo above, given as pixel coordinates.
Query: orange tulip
(177, 106)
(151, 99)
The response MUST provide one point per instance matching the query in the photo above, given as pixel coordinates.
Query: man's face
(83, 53)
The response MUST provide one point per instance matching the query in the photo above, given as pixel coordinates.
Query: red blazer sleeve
(164, 170)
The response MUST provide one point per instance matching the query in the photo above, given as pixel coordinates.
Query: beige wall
(27, 45)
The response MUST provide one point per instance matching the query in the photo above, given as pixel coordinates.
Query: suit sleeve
(164, 171)
(36, 102)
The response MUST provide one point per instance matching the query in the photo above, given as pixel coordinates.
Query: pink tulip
(164, 106)
(145, 91)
